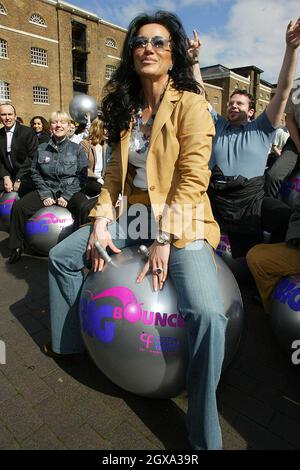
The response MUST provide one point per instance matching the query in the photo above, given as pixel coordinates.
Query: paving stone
(125, 437)
(258, 437)
(245, 404)
(19, 417)
(7, 439)
(42, 439)
(287, 428)
(7, 390)
(58, 416)
(86, 438)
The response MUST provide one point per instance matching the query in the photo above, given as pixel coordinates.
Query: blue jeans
(194, 274)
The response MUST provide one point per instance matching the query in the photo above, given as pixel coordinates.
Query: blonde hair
(96, 132)
(59, 116)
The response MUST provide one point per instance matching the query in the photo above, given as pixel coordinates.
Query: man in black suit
(18, 144)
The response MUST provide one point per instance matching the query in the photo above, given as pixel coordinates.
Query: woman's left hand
(158, 261)
(62, 202)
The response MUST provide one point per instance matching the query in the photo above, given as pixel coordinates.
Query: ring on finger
(158, 271)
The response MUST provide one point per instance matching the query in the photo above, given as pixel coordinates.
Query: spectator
(59, 172)
(42, 128)
(18, 144)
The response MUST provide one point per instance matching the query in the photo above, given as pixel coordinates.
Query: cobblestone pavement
(69, 404)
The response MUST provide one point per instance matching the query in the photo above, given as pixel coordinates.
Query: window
(267, 96)
(110, 42)
(261, 94)
(215, 100)
(4, 91)
(40, 95)
(2, 10)
(37, 19)
(39, 56)
(109, 70)
(3, 48)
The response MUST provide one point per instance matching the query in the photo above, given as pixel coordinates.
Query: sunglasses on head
(157, 42)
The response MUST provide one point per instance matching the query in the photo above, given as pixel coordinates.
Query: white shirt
(9, 135)
(99, 163)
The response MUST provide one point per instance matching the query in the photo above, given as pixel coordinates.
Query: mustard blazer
(177, 170)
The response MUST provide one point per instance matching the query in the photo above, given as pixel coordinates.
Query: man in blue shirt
(239, 156)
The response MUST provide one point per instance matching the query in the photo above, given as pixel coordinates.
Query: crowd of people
(160, 143)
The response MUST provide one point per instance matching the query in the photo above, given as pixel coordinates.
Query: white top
(99, 163)
(138, 151)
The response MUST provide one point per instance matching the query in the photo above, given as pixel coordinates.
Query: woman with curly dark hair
(42, 128)
(161, 133)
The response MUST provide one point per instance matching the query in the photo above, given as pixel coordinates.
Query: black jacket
(293, 231)
(236, 201)
(23, 147)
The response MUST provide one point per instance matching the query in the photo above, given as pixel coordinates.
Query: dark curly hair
(122, 92)
(45, 123)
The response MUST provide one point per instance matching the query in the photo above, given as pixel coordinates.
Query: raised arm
(277, 105)
(194, 53)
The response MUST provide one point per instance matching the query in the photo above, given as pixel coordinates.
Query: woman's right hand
(48, 201)
(102, 235)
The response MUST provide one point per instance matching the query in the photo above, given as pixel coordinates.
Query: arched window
(3, 48)
(110, 42)
(38, 20)
(109, 70)
(4, 91)
(2, 10)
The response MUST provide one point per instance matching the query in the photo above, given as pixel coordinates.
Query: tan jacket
(177, 170)
(91, 154)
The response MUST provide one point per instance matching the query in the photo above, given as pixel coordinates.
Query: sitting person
(59, 172)
(269, 263)
(284, 166)
(97, 153)
(79, 132)
(160, 130)
(239, 156)
(41, 127)
(18, 144)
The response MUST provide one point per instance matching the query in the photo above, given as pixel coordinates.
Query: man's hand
(194, 46)
(62, 202)
(293, 34)
(7, 184)
(49, 201)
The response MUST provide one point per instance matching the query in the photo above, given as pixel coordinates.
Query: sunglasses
(157, 42)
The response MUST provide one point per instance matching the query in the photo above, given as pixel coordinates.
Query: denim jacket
(59, 169)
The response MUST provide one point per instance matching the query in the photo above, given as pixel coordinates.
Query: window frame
(6, 47)
(37, 51)
(39, 89)
(2, 88)
(43, 25)
(113, 68)
(109, 45)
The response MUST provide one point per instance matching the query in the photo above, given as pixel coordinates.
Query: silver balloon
(290, 189)
(47, 227)
(239, 265)
(6, 202)
(136, 336)
(82, 104)
(285, 312)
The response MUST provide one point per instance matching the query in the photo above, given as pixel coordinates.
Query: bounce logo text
(288, 292)
(100, 321)
(41, 223)
(5, 207)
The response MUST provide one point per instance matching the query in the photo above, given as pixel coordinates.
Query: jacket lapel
(165, 110)
(3, 145)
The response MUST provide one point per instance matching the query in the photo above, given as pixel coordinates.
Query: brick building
(50, 50)
(225, 81)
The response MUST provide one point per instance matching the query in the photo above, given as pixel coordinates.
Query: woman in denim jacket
(59, 172)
